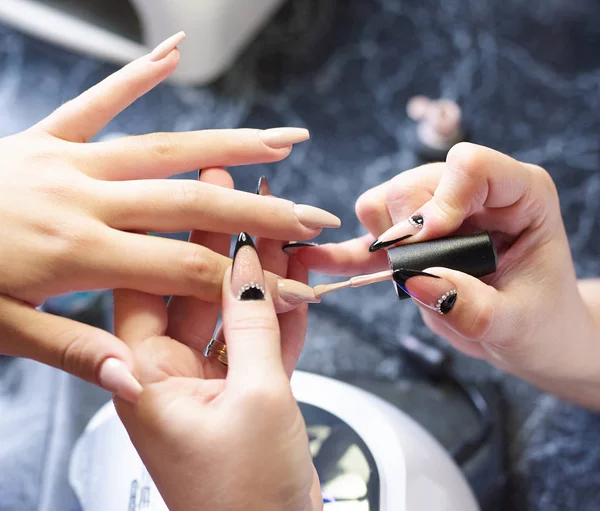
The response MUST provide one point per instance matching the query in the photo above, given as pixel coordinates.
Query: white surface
(217, 31)
(415, 472)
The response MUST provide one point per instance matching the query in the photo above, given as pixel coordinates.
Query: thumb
(84, 351)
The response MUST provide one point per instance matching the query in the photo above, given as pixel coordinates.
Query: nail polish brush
(474, 254)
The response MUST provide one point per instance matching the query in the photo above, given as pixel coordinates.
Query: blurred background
(526, 74)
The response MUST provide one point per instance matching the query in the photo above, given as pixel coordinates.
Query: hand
(216, 438)
(528, 318)
(71, 212)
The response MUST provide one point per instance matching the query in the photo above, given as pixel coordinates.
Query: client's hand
(72, 212)
(530, 318)
(212, 437)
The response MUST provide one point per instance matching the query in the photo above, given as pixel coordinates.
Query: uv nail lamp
(122, 30)
(370, 456)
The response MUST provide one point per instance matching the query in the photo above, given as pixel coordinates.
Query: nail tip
(263, 187)
(291, 248)
(375, 246)
(243, 240)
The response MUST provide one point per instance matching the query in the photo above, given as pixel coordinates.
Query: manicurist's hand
(531, 317)
(73, 215)
(212, 436)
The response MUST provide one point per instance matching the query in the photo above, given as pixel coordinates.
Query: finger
(350, 257)
(183, 204)
(371, 210)
(159, 155)
(293, 324)
(84, 351)
(475, 178)
(193, 321)
(250, 323)
(469, 309)
(82, 118)
(159, 266)
(138, 316)
(381, 207)
(165, 267)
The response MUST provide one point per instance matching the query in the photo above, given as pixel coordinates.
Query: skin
(205, 432)
(532, 317)
(75, 214)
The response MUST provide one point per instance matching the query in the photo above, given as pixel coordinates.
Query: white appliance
(370, 456)
(122, 30)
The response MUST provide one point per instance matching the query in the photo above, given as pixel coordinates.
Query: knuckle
(74, 357)
(542, 179)
(370, 205)
(66, 241)
(480, 323)
(263, 324)
(195, 265)
(188, 193)
(163, 145)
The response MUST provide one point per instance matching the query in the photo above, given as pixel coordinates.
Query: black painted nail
(291, 248)
(263, 186)
(378, 245)
(433, 292)
(247, 277)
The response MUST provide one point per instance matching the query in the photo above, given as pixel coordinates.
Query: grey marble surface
(527, 74)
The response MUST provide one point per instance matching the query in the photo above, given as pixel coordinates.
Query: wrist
(575, 372)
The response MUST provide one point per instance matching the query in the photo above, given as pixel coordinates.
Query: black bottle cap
(474, 254)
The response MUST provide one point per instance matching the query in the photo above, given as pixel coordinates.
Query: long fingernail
(294, 246)
(263, 186)
(115, 377)
(429, 290)
(294, 292)
(398, 233)
(378, 244)
(312, 217)
(277, 138)
(247, 277)
(166, 47)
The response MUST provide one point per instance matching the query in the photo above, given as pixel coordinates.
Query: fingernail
(378, 244)
(166, 47)
(263, 186)
(115, 377)
(398, 233)
(312, 217)
(429, 290)
(294, 246)
(278, 138)
(294, 292)
(247, 277)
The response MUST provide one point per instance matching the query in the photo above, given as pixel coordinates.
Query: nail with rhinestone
(427, 289)
(247, 277)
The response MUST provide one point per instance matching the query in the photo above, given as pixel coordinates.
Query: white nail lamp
(370, 456)
(217, 30)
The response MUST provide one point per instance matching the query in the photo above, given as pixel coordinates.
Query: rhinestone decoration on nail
(442, 300)
(252, 291)
(416, 221)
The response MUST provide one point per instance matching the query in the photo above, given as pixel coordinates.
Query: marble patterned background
(527, 74)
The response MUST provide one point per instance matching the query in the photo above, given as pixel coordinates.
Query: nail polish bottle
(474, 254)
